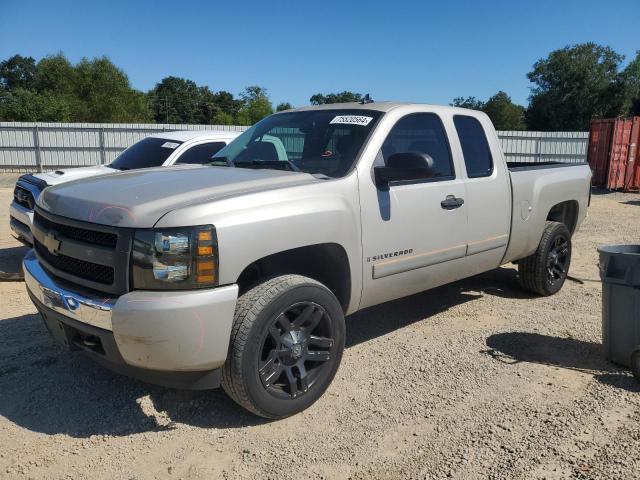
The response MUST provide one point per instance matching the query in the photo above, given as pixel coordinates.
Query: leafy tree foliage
(470, 102)
(504, 114)
(572, 85)
(22, 105)
(17, 72)
(342, 97)
(630, 79)
(55, 90)
(283, 106)
(105, 94)
(177, 100)
(255, 105)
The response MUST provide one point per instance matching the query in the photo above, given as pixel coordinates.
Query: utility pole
(166, 106)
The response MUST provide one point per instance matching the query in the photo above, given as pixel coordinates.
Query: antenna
(366, 99)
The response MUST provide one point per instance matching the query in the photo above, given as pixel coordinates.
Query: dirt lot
(472, 380)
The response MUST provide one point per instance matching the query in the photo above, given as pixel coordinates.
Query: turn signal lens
(205, 271)
(205, 236)
(205, 251)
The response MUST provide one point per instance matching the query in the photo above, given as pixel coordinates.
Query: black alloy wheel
(296, 350)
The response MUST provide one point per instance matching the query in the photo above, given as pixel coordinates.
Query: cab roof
(187, 135)
(381, 107)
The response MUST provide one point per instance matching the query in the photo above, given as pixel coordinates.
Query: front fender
(253, 226)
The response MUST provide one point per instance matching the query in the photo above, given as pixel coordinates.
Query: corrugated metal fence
(46, 146)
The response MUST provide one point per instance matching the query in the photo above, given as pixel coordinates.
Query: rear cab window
(200, 154)
(475, 147)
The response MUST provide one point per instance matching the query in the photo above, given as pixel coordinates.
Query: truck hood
(139, 198)
(69, 174)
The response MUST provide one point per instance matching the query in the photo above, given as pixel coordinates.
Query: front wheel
(545, 271)
(286, 345)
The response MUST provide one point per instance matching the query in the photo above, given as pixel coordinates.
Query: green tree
(17, 72)
(342, 97)
(630, 79)
(175, 100)
(283, 106)
(255, 105)
(55, 73)
(504, 114)
(573, 85)
(470, 102)
(105, 94)
(20, 105)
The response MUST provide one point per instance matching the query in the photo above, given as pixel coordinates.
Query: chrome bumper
(25, 217)
(83, 307)
(186, 330)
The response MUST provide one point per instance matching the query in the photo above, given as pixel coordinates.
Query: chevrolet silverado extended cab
(162, 149)
(240, 274)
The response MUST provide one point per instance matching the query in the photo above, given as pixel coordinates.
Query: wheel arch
(565, 212)
(328, 263)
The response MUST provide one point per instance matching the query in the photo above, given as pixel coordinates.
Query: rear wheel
(286, 346)
(546, 270)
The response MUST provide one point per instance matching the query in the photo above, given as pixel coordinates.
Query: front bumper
(21, 221)
(177, 339)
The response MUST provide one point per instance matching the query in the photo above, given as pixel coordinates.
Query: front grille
(104, 239)
(90, 255)
(24, 197)
(74, 266)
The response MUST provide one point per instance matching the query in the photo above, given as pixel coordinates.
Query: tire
(546, 270)
(286, 345)
(634, 363)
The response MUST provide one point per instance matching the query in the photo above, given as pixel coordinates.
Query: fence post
(36, 144)
(103, 158)
(538, 143)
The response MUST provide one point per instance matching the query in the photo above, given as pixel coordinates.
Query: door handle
(451, 202)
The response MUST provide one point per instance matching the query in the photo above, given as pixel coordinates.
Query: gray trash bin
(620, 274)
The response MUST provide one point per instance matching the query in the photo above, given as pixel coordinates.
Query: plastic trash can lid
(620, 250)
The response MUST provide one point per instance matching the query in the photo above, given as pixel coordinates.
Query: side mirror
(404, 166)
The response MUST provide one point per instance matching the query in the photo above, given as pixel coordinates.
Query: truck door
(414, 233)
(488, 193)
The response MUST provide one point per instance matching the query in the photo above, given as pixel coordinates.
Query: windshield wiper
(277, 164)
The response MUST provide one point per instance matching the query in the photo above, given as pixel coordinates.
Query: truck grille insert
(74, 266)
(24, 197)
(87, 254)
(104, 239)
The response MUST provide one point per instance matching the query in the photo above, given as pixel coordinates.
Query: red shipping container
(632, 173)
(619, 157)
(600, 135)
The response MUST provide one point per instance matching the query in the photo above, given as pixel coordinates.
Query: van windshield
(319, 142)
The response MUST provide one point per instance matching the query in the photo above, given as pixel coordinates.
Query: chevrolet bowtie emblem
(52, 243)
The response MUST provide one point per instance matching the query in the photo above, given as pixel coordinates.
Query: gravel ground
(472, 380)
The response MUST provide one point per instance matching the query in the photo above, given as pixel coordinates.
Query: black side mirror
(404, 166)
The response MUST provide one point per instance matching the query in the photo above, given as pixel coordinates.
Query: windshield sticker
(170, 145)
(352, 120)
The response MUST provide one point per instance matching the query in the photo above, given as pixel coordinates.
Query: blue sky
(424, 51)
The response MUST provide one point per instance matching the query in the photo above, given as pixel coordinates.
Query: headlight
(175, 258)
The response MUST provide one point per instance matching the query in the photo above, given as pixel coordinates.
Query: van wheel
(545, 271)
(286, 345)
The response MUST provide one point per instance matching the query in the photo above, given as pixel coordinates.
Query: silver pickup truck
(240, 273)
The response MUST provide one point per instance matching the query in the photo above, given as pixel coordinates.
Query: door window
(423, 133)
(201, 154)
(475, 148)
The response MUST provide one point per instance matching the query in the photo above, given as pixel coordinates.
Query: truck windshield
(148, 152)
(319, 142)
